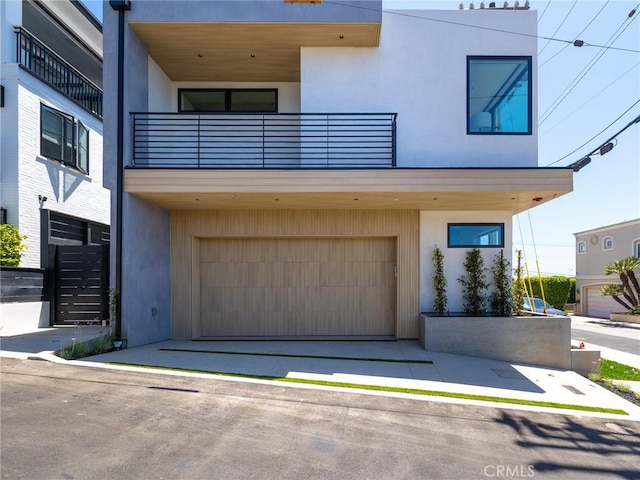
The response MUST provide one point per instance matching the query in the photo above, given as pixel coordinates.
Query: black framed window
(83, 148)
(475, 235)
(261, 100)
(63, 138)
(499, 95)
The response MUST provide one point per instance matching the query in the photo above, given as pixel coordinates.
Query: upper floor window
(228, 100)
(582, 247)
(474, 235)
(499, 95)
(63, 138)
(607, 243)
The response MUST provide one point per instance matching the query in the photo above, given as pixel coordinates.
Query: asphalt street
(624, 344)
(71, 422)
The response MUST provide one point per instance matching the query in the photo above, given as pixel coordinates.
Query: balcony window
(229, 100)
(499, 95)
(63, 139)
(475, 235)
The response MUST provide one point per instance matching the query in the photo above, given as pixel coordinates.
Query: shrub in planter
(502, 297)
(519, 288)
(474, 284)
(439, 282)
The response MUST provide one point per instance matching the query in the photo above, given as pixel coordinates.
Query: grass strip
(415, 391)
(618, 371)
(289, 355)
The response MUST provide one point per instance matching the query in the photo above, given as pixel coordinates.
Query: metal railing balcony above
(44, 63)
(269, 140)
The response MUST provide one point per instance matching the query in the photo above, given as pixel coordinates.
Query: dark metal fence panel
(279, 140)
(81, 283)
(19, 284)
(43, 62)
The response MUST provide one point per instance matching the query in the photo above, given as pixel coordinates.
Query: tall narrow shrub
(439, 282)
(474, 284)
(519, 288)
(502, 295)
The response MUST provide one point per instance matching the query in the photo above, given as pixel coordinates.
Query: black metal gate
(80, 283)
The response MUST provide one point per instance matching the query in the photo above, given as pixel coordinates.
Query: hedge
(558, 291)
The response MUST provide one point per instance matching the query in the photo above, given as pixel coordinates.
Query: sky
(585, 96)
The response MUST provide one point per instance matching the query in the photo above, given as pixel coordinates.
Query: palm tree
(614, 291)
(630, 289)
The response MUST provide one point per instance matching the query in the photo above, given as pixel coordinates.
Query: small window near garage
(582, 247)
(475, 235)
(264, 100)
(499, 95)
(607, 243)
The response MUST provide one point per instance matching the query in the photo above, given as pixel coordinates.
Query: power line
(578, 35)
(588, 101)
(544, 11)
(574, 83)
(460, 24)
(592, 138)
(559, 26)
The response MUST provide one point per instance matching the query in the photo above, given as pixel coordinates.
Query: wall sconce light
(42, 199)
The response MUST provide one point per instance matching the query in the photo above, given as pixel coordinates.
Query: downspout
(121, 6)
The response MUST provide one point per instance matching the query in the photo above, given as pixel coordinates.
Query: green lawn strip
(415, 391)
(322, 357)
(618, 371)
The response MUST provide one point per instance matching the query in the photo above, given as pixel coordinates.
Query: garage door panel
(598, 305)
(297, 286)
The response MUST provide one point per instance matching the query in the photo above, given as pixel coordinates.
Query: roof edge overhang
(446, 189)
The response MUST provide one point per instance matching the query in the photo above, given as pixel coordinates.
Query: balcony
(35, 57)
(264, 141)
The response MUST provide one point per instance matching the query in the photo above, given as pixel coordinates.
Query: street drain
(573, 389)
(175, 389)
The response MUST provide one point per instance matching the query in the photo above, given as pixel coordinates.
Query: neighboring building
(51, 126)
(594, 250)
(289, 168)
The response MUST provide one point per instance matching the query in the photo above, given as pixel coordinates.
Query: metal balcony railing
(270, 140)
(40, 60)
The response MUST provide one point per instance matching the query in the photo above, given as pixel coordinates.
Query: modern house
(289, 167)
(51, 173)
(51, 124)
(595, 249)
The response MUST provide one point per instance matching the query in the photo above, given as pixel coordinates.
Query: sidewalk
(385, 364)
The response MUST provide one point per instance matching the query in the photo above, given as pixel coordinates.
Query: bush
(556, 289)
(439, 282)
(11, 245)
(474, 284)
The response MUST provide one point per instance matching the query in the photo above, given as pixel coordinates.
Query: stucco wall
(145, 295)
(539, 341)
(419, 71)
(433, 232)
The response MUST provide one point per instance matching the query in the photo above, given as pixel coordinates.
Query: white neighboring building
(51, 125)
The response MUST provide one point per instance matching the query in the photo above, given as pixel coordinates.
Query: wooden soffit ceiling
(247, 52)
(514, 190)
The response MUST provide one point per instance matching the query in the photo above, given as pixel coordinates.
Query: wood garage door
(600, 306)
(297, 286)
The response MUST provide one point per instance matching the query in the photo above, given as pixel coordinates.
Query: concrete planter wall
(544, 341)
(624, 317)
